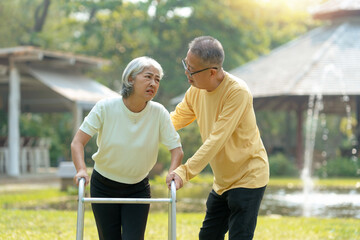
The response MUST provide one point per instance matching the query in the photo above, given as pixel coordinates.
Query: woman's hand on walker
(82, 174)
(178, 181)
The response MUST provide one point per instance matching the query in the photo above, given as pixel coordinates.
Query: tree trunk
(40, 15)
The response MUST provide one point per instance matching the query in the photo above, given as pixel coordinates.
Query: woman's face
(146, 83)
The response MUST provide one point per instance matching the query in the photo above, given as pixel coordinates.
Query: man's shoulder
(192, 93)
(237, 85)
(236, 82)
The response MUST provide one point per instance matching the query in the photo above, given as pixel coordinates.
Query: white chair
(41, 153)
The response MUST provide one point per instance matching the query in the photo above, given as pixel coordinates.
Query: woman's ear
(131, 80)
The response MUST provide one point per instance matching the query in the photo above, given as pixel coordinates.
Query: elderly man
(223, 107)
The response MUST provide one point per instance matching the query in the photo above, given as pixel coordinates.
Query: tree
(122, 30)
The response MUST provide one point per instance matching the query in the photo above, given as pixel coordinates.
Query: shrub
(338, 167)
(280, 166)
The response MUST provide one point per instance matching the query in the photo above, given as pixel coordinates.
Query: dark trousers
(119, 221)
(235, 210)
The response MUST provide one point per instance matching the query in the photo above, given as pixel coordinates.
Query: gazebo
(326, 60)
(37, 80)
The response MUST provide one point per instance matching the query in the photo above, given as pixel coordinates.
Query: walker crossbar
(171, 200)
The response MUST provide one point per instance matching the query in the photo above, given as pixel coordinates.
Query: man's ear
(131, 79)
(213, 72)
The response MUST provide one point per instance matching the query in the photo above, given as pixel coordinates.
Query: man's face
(200, 79)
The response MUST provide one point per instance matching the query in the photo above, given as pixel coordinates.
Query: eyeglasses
(192, 73)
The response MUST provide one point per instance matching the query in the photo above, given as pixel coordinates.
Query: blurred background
(301, 62)
(122, 30)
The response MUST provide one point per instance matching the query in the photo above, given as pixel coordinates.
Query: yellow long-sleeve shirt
(231, 139)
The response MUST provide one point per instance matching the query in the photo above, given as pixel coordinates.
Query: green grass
(22, 218)
(299, 228)
(29, 197)
(31, 224)
(322, 183)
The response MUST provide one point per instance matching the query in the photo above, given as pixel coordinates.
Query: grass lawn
(28, 214)
(43, 224)
(352, 183)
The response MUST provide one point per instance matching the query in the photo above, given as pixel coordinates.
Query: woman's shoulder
(109, 101)
(158, 107)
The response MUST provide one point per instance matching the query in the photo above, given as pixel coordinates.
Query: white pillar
(13, 163)
(77, 117)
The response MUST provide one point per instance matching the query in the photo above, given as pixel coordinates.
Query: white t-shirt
(128, 142)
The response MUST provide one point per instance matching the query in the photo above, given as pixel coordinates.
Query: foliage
(281, 166)
(277, 131)
(164, 156)
(348, 129)
(58, 127)
(190, 139)
(284, 20)
(121, 30)
(339, 167)
(347, 126)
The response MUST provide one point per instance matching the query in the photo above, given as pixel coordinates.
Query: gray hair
(135, 67)
(208, 49)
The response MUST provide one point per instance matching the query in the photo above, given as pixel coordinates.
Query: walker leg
(172, 213)
(81, 211)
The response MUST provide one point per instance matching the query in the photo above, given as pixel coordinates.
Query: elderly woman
(129, 129)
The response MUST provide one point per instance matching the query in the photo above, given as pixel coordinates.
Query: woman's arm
(177, 155)
(77, 153)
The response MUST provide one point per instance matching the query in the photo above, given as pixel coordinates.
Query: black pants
(235, 210)
(119, 221)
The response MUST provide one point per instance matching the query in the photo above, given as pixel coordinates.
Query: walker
(82, 200)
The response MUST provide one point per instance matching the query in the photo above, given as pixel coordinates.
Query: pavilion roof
(324, 60)
(336, 8)
(51, 81)
(31, 54)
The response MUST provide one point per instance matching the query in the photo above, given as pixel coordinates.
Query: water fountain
(315, 106)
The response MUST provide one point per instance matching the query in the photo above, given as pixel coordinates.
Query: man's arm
(235, 108)
(183, 114)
